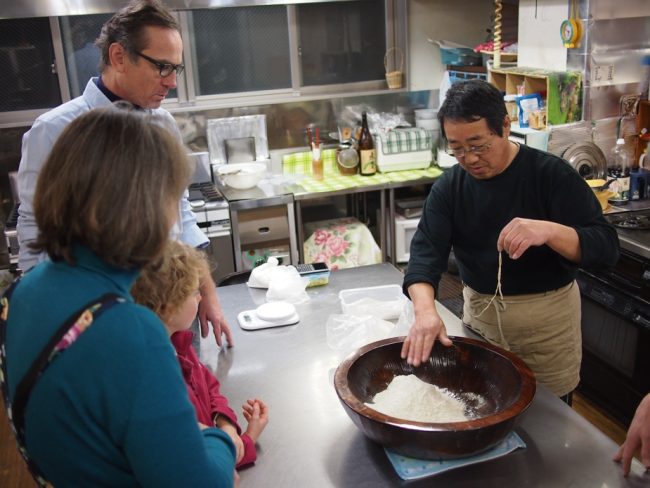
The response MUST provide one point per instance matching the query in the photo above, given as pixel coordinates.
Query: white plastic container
(426, 113)
(383, 302)
(427, 119)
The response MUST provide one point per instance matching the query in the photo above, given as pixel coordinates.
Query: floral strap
(63, 338)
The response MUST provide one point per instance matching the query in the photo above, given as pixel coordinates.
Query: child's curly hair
(164, 285)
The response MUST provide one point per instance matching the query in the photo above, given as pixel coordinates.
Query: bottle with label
(367, 154)
(619, 168)
(627, 125)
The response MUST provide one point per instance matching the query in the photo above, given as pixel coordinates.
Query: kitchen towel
(409, 468)
(300, 164)
(400, 141)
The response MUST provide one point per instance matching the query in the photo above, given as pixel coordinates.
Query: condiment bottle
(316, 163)
(367, 154)
(619, 168)
(316, 158)
(627, 125)
(644, 159)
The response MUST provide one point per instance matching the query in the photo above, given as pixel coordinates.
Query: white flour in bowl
(408, 397)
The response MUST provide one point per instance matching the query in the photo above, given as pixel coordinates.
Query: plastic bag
(527, 105)
(346, 333)
(405, 320)
(261, 275)
(378, 122)
(385, 310)
(445, 84)
(287, 285)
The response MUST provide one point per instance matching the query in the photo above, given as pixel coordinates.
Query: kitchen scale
(271, 314)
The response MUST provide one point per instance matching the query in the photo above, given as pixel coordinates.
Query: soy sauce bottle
(367, 154)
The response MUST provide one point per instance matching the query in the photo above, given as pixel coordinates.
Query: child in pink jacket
(171, 289)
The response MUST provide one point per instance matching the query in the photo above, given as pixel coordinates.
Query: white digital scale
(271, 314)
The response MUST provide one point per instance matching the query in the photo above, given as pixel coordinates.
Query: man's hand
(521, 234)
(210, 311)
(638, 435)
(428, 326)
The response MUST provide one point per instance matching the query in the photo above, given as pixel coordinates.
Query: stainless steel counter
(311, 442)
(271, 190)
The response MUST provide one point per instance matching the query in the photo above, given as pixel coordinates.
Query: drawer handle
(263, 230)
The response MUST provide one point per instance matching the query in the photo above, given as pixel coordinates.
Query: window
(341, 42)
(234, 56)
(81, 55)
(240, 49)
(27, 77)
(290, 48)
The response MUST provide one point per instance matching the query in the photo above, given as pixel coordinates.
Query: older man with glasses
(520, 221)
(141, 57)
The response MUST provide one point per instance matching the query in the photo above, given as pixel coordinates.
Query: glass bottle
(367, 154)
(627, 125)
(644, 159)
(619, 168)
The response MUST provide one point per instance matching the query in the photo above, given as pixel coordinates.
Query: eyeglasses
(462, 152)
(164, 69)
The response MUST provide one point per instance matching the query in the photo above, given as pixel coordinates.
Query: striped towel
(404, 140)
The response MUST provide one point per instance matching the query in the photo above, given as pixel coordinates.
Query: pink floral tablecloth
(341, 243)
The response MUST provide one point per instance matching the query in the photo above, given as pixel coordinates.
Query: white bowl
(241, 176)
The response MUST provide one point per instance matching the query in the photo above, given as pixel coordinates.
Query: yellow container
(603, 196)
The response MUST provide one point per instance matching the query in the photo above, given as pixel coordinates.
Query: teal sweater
(112, 410)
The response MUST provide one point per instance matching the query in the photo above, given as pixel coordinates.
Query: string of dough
(498, 289)
(500, 294)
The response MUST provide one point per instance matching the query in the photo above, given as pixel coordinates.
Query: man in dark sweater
(521, 221)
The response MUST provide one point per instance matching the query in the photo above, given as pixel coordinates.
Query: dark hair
(110, 183)
(127, 26)
(472, 100)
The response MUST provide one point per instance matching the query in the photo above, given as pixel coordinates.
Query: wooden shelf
(561, 91)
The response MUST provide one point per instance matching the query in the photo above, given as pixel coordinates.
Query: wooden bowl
(503, 381)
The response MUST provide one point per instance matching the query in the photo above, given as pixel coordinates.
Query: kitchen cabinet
(262, 223)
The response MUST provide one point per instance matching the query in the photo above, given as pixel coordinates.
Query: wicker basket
(394, 78)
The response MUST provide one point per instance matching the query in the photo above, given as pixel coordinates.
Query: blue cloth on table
(409, 468)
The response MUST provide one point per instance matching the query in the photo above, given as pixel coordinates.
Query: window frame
(396, 27)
